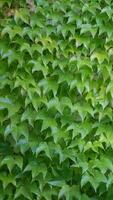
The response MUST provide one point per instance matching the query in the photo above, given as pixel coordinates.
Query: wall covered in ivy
(56, 100)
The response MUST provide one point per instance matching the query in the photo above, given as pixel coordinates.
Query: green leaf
(48, 85)
(100, 55)
(9, 161)
(26, 47)
(22, 14)
(37, 66)
(36, 169)
(58, 183)
(7, 179)
(19, 161)
(43, 147)
(23, 191)
(29, 115)
(69, 192)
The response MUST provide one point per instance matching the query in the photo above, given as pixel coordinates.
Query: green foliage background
(56, 100)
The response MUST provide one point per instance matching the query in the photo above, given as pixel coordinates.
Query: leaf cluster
(56, 106)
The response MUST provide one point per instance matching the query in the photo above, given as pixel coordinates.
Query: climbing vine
(56, 100)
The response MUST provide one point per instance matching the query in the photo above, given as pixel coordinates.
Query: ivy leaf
(49, 85)
(88, 28)
(19, 161)
(9, 161)
(6, 180)
(37, 66)
(29, 115)
(69, 192)
(58, 183)
(23, 191)
(100, 55)
(55, 103)
(107, 10)
(22, 14)
(26, 47)
(83, 128)
(36, 169)
(48, 123)
(93, 181)
(43, 147)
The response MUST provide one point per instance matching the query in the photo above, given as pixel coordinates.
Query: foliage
(56, 107)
